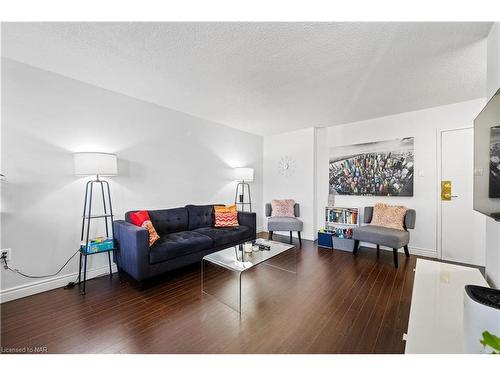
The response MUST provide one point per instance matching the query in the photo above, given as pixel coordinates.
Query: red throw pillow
(139, 217)
(142, 219)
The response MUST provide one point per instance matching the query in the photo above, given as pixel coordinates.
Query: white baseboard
(304, 235)
(49, 284)
(423, 252)
(430, 253)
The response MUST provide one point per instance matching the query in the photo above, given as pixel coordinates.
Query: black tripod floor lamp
(95, 164)
(243, 199)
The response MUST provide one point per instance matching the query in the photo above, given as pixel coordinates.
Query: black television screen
(487, 159)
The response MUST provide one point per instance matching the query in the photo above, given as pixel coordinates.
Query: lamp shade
(243, 174)
(95, 163)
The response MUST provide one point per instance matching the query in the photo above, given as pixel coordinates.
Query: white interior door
(462, 229)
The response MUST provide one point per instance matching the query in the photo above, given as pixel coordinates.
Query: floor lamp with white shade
(95, 164)
(243, 176)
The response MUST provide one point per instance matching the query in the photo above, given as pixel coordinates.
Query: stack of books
(97, 245)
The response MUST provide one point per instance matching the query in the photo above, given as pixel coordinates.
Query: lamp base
(240, 196)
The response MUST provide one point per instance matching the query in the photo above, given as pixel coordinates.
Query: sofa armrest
(248, 219)
(133, 249)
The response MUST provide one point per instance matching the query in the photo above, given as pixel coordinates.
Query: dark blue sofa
(187, 234)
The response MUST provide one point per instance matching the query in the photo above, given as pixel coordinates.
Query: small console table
(437, 305)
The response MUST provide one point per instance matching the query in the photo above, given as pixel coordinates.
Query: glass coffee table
(222, 271)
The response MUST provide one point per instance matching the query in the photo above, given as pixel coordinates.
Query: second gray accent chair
(284, 224)
(381, 236)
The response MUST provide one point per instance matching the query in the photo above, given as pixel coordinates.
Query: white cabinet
(436, 314)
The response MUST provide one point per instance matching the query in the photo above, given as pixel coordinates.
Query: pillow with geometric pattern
(142, 219)
(226, 216)
(282, 208)
(153, 235)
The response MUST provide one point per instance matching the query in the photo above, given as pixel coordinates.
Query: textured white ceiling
(266, 78)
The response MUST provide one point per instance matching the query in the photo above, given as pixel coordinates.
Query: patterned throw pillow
(231, 208)
(226, 216)
(388, 216)
(153, 236)
(142, 219)
(282, 208)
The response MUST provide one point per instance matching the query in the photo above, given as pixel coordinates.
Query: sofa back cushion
(200, 216)
(167, 221)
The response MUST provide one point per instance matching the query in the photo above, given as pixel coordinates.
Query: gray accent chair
(393, 238)
(284, 224)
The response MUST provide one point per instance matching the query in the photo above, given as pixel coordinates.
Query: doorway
(462, 229)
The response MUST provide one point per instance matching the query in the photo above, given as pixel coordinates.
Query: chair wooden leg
(378, 249)
(407, 252)
(356, 246)
(395, 254)
(300, 239)
(270, 235)
(290, 237)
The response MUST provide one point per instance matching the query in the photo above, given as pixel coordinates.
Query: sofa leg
(290, 237)
(356, 246)
(395, 254)
(141, 285)
(407, 252)
(120, 274)
(270, 235)
(300, 239)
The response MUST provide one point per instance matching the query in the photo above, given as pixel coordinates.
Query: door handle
(445, 190)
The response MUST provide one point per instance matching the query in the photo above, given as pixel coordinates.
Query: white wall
(166, 159)
(492, 227)
(300, 186)
(423, 125)
(493, 60)
(322, 178)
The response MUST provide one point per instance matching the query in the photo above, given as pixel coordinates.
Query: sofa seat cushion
(284, 224)
(174, 245)
(393, 238)
(223, 236)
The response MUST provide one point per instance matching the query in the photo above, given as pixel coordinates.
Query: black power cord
(70, 285)
(6, 266)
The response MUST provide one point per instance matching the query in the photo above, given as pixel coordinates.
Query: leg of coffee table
(286, 261)
(241, 273)
(222, 283)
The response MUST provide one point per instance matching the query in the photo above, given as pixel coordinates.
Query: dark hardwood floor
(336, 303)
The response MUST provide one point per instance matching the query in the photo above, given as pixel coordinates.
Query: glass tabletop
(237, 259)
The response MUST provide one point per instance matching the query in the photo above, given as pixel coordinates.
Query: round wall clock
(286, 166)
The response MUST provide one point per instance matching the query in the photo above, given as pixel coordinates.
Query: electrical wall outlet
(5, 253)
